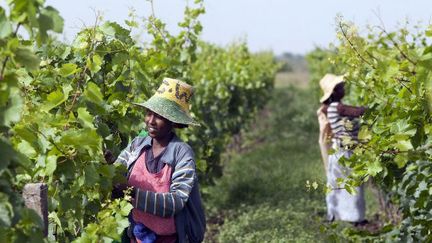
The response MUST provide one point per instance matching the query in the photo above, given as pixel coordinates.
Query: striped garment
(344, 129)
(178, 155)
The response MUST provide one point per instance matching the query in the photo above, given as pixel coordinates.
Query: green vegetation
(262, 195)
(390, 73)
(62, 105)
(231, 86)
(272, 189)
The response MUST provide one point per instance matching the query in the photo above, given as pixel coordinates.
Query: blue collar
(169, 154)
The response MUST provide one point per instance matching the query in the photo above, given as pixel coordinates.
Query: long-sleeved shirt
(177, 154)
(344, 123)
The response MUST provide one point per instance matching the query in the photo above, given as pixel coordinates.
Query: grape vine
(62, 105)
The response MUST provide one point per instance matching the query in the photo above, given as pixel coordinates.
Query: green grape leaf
(107, 29)
(364, 134)
(53, 215)
(85, 118)
(27, 149)
(429, 31)
(12, 112)
(401, 160)
(6, 211)
(27, 58)
(56, 98)
(91, 174)
(93, 93)
(349, 188)
(404, 145)
(10, 80)
(68, 69)
(50, 164)
(107, 171)
(5, 25)
(82, 139)
(55, 20)
(48, 19)
(94, 64)
(126, 207)
(374, 168)
(7, 153)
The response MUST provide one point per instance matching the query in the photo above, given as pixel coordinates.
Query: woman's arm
(170, 203)
(351, 111)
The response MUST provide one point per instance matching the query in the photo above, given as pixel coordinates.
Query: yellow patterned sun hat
(328, 83)
(171, 101)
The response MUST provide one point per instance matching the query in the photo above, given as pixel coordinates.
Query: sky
(295, 26)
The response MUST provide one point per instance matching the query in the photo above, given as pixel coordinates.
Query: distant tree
(286, 66)
(291, 62)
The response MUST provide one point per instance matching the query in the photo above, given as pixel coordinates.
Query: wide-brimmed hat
(171, 101)
(328, 83)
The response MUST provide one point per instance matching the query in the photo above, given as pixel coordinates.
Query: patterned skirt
(342, 205)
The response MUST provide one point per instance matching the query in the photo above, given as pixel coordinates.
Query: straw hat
(328, 83)
(171, 101)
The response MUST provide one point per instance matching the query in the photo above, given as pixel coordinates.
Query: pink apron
(155, 182)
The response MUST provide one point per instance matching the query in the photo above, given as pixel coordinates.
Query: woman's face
(157, 126)
(339, 91)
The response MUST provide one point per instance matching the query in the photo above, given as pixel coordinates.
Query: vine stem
(403, 84)
(82, 74)
(353, 47)
(364, 59)
(152, 8)
(371, 90)
(397, 46)
(150, 20)
(164, 37)
(383, 29)
(49, 140)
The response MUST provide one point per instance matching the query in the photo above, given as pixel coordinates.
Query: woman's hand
(109, 157)
(118, 191)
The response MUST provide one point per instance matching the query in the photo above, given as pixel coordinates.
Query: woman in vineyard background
(340, 123)
(161, 172)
